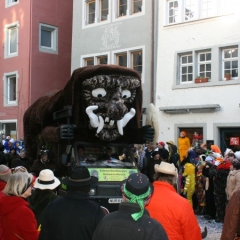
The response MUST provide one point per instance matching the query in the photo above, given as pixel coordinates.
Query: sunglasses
(18, 169)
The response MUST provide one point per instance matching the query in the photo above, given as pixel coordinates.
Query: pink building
(35, 55)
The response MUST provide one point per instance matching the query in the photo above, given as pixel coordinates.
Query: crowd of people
(175, 182)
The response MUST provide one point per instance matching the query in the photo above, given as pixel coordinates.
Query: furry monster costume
(105, 103)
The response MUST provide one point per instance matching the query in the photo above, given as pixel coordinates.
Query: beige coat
(233, 183)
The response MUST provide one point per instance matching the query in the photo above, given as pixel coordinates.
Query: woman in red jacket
(17, 219)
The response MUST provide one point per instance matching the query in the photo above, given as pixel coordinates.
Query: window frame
(6, 77)
(54, 38)
(95, 58)
(199, 62)
(187, 54)
(10, 3)
(217, 6)
(7, 43)
(229, 60)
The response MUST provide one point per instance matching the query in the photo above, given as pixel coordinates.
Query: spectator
(173, 154)
(169, 208)
(22, 160)
(5, 174)
(43, 194)
(164, 154)
(73, 216)
(45, 161)
(3, 159)
(17, 219)
(11, 156)
(230, 229)
(233, 179)
(131, 221)
(151, 163)
(7, 144)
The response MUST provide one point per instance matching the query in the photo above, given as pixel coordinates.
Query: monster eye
(99, 93)
(126, 94)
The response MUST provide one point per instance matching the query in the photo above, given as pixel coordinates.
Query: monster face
(109, 99)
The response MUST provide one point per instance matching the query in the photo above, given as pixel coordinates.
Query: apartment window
(91, 12)
(122, 59)
(11, 40)
(48, 38)
(136, 64)
(102, 60)
(122, 8)
(88, 61)
(188, 10)
(186, 68)
(230, 62)
(9, 3)
(204, 64)
(10, 89)
(103, 10)
(137, 6)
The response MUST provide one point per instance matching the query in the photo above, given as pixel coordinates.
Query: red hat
(162, 144)
(184, 133)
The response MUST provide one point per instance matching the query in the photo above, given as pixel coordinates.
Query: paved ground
(214, 229)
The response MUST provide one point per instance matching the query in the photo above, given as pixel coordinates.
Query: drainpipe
(154, 50)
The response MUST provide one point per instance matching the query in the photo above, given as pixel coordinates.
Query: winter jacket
(72, 217)
(173, 212)
(38, 166)
(232, 217)
(121, 226)
(233, 183)
(17, 218)
(38, 202)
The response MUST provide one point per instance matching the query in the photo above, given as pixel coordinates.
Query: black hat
(137, 189)
(137, 184)
(79, 176)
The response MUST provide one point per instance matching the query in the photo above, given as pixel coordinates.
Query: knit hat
(209, 159)
(162, 144)
(216, 155)
(5, 173)
(228, 150)
(137, 189)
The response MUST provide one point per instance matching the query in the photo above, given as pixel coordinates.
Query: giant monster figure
(106, 103)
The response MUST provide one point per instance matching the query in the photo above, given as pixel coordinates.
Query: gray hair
(18, 183)
(171, 179)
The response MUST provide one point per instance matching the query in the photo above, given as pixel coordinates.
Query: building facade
(35, 55)
(116, 32)
(198, 46)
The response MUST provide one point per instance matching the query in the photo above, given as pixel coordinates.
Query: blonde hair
(18, 183)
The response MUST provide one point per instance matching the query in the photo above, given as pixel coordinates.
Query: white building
(199, 38)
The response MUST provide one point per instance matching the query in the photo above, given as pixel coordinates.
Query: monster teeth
(111, 123)
(101, 124)
(120, 127)
(107, 119)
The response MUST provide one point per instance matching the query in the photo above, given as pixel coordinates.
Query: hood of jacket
(10, 203)
(234, 172)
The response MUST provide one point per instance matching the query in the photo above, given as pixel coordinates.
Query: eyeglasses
(18, 169)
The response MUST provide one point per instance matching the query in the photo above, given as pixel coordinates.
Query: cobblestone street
(214, 229)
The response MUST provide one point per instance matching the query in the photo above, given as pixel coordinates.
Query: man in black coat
(132, 221)
(73, 216)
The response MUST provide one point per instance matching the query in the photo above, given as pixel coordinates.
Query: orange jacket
(173, 212)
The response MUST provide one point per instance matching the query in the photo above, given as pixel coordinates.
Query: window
(102, 60)
(94, 60)
(230, 62)
(121, 59)
(188, 10)
(122, 8)
(10, 89)
(137, 61)
(89, 61)
(11, 40)
(9, 3)
(104, 10)
(186, 68)
(48, 37)
(137, 6)
(204, 64)
(91, 12)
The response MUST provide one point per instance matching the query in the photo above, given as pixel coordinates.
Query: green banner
(110, 174)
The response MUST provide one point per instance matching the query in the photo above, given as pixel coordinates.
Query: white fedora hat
(46, 180)
(167, 168)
